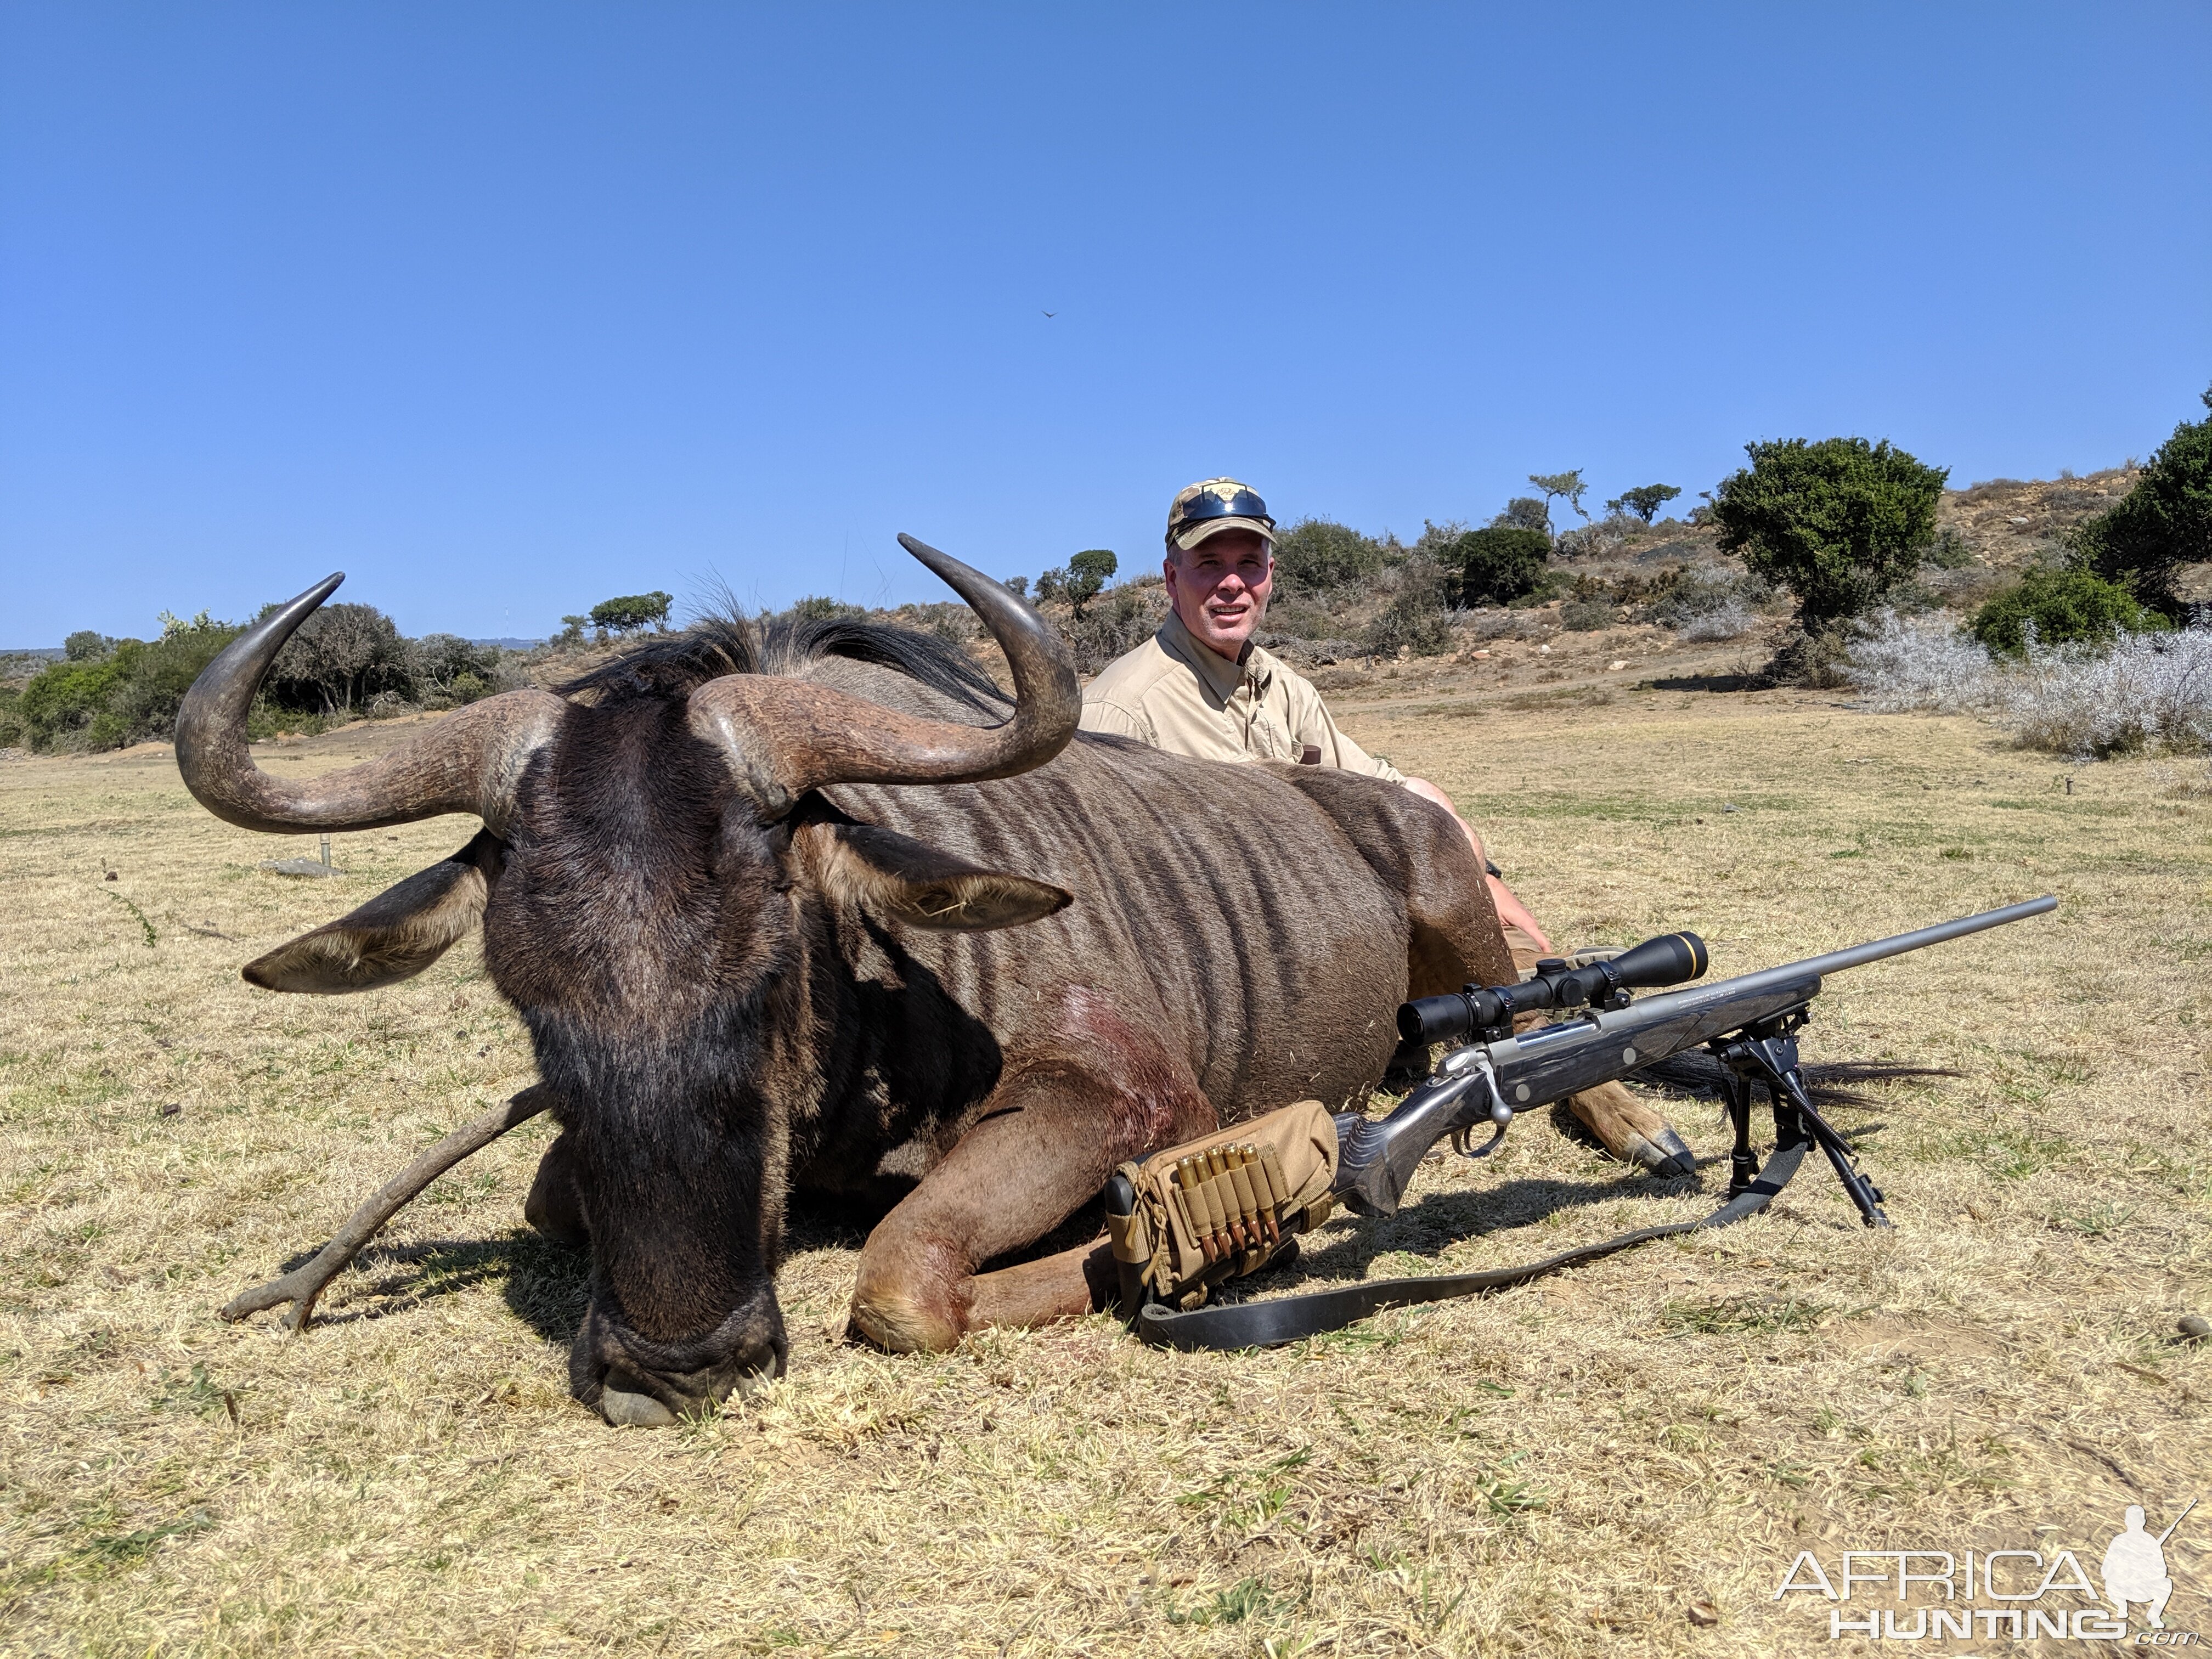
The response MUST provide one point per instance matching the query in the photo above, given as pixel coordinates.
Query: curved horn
(467, 762)
(790, 735)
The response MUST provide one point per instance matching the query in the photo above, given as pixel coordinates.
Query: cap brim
(1208, 528)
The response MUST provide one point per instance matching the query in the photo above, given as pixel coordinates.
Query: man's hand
(1514, 914)
(1511, 910)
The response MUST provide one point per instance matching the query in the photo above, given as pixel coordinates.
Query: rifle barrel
(2178, 1520)
(1835, 961)
(1856, 956)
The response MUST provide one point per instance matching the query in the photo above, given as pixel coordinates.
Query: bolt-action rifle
(1749, 1023)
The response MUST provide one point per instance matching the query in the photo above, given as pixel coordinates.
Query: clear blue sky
(504, 310)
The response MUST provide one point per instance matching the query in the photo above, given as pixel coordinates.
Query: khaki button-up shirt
(1174, 694)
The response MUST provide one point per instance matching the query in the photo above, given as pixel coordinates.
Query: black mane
(672, 664)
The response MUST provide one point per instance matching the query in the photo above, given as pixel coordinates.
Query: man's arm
(1314, 727)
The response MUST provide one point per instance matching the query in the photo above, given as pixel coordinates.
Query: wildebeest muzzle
(636, 1381)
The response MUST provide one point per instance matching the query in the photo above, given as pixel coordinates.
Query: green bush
(2162, 524)
(1120, 621)
(1316, 554)
(2063, 605)
(1838, 523)
(1949, 550)
(71, 698)
(164, 671)
(1496, 565)
(131, 695)
(817, 607)
(1684, 595)
(449, 671)
(1585, 615)
(1416, 620)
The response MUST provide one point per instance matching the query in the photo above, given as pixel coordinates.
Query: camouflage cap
(1214, 504)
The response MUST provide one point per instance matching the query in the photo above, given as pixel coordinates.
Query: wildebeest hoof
(1626, 1128)
(1665, 1154)
(626, 1410)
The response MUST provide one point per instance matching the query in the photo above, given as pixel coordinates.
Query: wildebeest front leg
(304, 1284)
(1047, 1140)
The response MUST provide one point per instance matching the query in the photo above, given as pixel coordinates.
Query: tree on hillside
(1088, 572)
(1415, 620)
(450, 669)
(632, 613)
(1838, 523)
(86, 646)
(1643, 500)
(1568, 486)
(1524, 512)
(2162, 524)
(342, 655)
(1498, 563)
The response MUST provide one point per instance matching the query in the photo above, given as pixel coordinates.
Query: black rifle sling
(1291, 1318)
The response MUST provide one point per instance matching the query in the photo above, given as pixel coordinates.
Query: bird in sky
(1052, 313)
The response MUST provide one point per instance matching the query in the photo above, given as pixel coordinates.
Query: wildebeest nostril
(625, 1401)
(629, 1408)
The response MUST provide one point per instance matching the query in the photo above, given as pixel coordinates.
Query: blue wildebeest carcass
(813, 907)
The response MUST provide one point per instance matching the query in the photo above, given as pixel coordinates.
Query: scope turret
(1668, 960)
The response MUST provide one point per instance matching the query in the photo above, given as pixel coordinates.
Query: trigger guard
(1497, 1136)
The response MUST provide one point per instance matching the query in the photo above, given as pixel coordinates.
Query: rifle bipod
(1765, 1052)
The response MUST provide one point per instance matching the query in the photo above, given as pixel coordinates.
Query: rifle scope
(1668, 960)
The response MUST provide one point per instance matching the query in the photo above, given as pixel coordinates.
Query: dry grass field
(1624, 1459)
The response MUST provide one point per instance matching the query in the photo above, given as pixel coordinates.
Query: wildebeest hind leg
(1043, 1148)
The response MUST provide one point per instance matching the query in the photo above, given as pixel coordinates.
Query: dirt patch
(1894, 1337)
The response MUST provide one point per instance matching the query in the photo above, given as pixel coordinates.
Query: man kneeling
(1201, 687)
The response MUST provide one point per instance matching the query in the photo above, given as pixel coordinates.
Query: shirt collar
(1219, 676)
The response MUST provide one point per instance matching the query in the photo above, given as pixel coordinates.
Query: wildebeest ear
(396, 935)
(900, 879)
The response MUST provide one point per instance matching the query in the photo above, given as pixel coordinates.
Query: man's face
(1220, 587)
